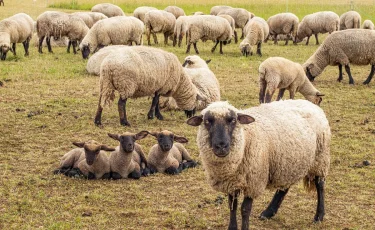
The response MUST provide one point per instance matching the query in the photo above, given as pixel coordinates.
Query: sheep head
(312, 70)
(92, 149)
(3, 51)
(165, 139)
(316, 99)
(127, 140)
(85, 49)
(195, 61)
(246, 49)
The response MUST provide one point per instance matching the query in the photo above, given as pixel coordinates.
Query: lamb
(169, 157)
(280, 73)
(232, 24)
(180, 29)
(159, 21)
(240, 16)
(320, 22)
(273, 145)
(141, 11)
(367, 24)
(350, 20)
(128, 160)
(176, 11)
(285, 24)
(203, 79)
(208, 27)
(144, 71)
(90, 18)
(15, 29)
(342, 48)
(58, 24)
(108, 10)
(216, 9)
(88, 160)
(119, 30)
(256, 32)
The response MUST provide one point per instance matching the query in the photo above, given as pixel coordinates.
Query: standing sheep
(367, 24)
(108, 10)
(256, 32)
(141, 11)
(176, 11)
(320, 22)
(119, 30)
(140, 71)
(240, 16)
(90, 18)
(280, 73)
(15, 29)
(342, 48)
(232, 24)
(273, 145)
(159, 21)
(180, 30)
(283, 23)
(216, 9)
(350, 20)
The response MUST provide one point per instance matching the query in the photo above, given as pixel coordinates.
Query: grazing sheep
(128, 160)
(159, 21)
(320, 22)
(57, 25)
(280, 73)
(168, 157)
(176, 11)
(203, 79)
(216, 9)
(342, 48)
(119, 30)
(232, 24)
(208, 27)
(273, 145)
(180, 29)
(140, 71)
(283, 24)
(256, 32)
(89, 160)
(199, 13)
(141, 11)
(350, 20)
(15, 29)
(108, 10)
(240, 16)
(90, 18)
(367, 24)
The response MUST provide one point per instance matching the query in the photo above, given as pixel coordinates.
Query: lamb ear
(141, 135)
(244, 119)
(180, 139)
(208, 61)
(195, 121)
(155, 134)
(114, 136)
(319, 94)
(106, 148)
(79, 144)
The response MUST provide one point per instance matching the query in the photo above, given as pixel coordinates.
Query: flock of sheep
(241, 150)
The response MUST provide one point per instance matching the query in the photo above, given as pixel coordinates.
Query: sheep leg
(116, 176)
(221, 47)
(281, 94)
(316, 38)
(62, 170)
(262, 90)
(172, 170)
(269, 94)
(188, 48)
(26, 48)
(14, 48)
(274, 204)
(157, 110)
(189, 164)
(232, 201)
(91, 176)
(235, 37)
(69, 44)
(195, 48)
(75, 172)
(155, 100)
(371, 75)
(243, 35)
(135, 175)
(122, 111)
(339, 79)
(214, 48)
(245, 212)
(308, 38)
(155, 38)
(292, 93)
(152, 169)
(40, 44)
(287, 40)
(319, 184)
(275, 39)
(106, 176)
(48, 40)
(165, 38)
(74, 44)
(259, 47)
(98, 116)
(347, 69)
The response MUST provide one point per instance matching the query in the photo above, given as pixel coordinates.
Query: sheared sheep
(367, 24)
(350, 20)
(108, 9)
(256, 31)
(176, 11)
(240, 16)
(273, 145)
(159, 21)
(283, 24)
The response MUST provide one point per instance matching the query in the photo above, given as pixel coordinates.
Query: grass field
(47, 101)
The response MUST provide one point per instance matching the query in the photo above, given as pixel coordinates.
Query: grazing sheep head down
(92, 149)
(3, 51)
(316, 99)
(312, 70)
(246, 49)
(85, 49)
(127, 140)
(165, 139)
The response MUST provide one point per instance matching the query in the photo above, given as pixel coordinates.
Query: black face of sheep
(165, 139)
(309, 75)
(92, 150)
(3, 52)
(246, 51)
(127, 140)
(85, 52)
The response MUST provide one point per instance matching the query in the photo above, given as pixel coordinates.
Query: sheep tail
(107, 89)
(309, 184)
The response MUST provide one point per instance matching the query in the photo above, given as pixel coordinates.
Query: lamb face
(127, 140)
(165, 139)
(92, 150)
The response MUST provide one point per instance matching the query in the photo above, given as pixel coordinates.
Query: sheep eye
(231, 120)
(207, 122)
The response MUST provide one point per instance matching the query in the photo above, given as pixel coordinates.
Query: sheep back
(283, 23)
(141, 11)
(350, 20)
(208, 27)
(90, 18)
(176, 11)
(94, 62)
(18, 28)
(108, 10)
(240, 16)
(367, 24)
(160, 21)
(320, 22)
(216, 9)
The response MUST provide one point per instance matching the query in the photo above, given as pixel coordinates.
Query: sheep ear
(155, 134)
(114, 136)
(244, 119)
(319, 94)
(195, 121)
(201, 97)
(180, 139)
(208, 61)
(79, 144)
(141, 135)
(185, 63)
(106, 148)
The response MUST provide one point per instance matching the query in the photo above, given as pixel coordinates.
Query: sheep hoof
(135, 175)
(159, 117)
(266, 215)
(91, 176)
(171, 170)
(146, 172)
(115, 176)
(189, 164)
(125, 123)
(318, 218)
(366, 82)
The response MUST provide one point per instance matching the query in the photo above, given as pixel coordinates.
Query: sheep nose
(221, 145)
(130, 145)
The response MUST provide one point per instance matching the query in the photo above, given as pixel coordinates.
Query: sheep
(108, 10)
(141, 11)
(88, 160)
(128, 160)
(342, 48)
(232, 24)
(270, 146)
(140, 71)
(169, 157)
(285, 24)
(256, 32)
(367, 24)
(203, 79)
(180, 29)
(216, 9)
(240, 16)
(320, 22)
(15, 29)
(58, 24)
(350, 20)
(90, 18)
(208, 27)
(176, 11)
(280, 73)
(159, 21)
(119, 30)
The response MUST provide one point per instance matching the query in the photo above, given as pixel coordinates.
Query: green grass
(48, 101)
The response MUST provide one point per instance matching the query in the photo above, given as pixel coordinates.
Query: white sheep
(90, 18)
(108, 9)
(256, 31)
(119, 30)
(367, 24)
(180, 29)
(240, 16)
(350, 20)
(208, 27)
(176, 11)
(271, 146)
(159, 21)
(283, 24)
(320, 22)
(141, 11)
(140, 71)
(281, 73)
(216, 9)
(232, 24)
(15, 29)
(342, 48)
